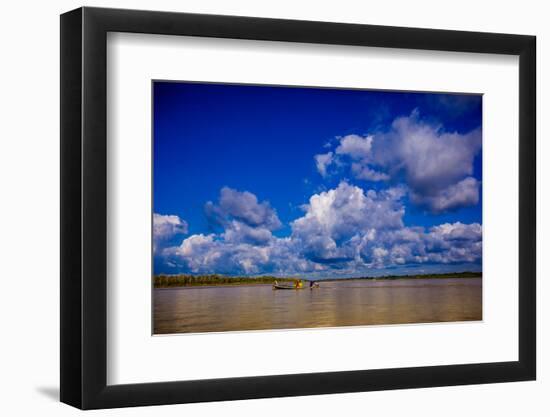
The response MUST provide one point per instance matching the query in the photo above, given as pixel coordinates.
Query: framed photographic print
(257, 208)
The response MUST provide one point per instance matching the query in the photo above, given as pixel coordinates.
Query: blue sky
(315, 182)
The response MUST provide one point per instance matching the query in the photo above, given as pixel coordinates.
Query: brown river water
(344, 303)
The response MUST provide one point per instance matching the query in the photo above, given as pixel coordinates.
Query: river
(344, 303)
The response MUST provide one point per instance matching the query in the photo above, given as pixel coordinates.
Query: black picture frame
(84, 207)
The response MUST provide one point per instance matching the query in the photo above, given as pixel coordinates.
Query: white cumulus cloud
(166, 227)
(434, 163)
(462, 194)
(344, 230)
(355, 146)
(322, 162)
(244, 207)
(333, 218)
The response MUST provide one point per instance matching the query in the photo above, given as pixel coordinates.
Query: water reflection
(352, 303)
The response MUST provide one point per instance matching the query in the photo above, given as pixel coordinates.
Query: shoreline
(269, 281)
(174, 287)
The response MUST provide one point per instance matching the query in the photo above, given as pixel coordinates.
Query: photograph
(275, 209)
(293, 207)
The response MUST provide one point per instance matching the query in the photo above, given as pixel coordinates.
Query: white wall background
(29, 219)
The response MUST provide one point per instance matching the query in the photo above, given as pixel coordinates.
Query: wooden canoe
(286, 287)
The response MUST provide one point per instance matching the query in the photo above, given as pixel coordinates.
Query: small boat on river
(286, 287)
(298, 285)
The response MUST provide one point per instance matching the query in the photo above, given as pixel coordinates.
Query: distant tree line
(182, 280)
(188, 280)
(467, 274)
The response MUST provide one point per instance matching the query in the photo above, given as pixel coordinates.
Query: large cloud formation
(436, 165)
(336, 219)
(344, 230)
